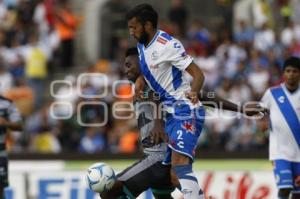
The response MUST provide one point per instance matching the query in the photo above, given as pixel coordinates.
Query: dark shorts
(3, 172)
(149, 172)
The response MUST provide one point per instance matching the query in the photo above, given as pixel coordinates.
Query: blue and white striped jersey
(284, 123)
(163, 63)
(9, 112)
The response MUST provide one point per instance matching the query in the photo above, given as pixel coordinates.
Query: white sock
(188, 182)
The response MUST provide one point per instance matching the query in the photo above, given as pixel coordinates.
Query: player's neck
(291, 88)
(151, 36)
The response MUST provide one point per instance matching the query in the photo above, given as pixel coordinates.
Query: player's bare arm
(197, 82)
(249, 109)
(158, 134)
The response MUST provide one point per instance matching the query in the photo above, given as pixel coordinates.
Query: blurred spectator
(45, 142)
(6, 80)
(295, 5)
(129, 142)
(262, 13)
(23, 96)
(36, 67)
(178, 15)
(258, 80)
(42, 128)
(199, 33)
(290, 33)
(93, 141)
(240, 92)
(14, 60)
(264, 38)
(66, 24)
(244, 33)
(66, 94)
(40, 18)
(211, 68)
(114, 21)
(286, 11)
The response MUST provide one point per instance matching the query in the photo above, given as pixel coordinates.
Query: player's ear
(148, 26)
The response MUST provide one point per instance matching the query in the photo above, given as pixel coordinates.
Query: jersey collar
(153, 39)
(287, 90)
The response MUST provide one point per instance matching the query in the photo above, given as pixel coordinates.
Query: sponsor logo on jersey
(154, 55)
(162, 40)
(281, 99)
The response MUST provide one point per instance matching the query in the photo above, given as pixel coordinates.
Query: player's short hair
(131, 51)
(293, 62)
(143, 12)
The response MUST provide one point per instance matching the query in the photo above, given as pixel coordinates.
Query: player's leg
(182, 167)
(3, 175)
(284, 178)
(161, 184)
(183, 136)
(115, 192)
(295, 193)
(134, 180)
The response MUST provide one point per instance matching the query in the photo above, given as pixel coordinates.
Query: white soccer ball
(100, 177)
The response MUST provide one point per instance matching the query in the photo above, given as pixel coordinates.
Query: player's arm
(249, 109)
(158, 134)
(178, 58)
(14, 121)
(197, 82)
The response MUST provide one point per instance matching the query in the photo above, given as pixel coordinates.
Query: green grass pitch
(241, 164)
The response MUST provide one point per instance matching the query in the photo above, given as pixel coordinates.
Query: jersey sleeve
(266, 99)
(176, 55)
(14, 114)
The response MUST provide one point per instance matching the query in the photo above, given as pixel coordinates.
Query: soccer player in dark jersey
(9, 119)
(148, 172)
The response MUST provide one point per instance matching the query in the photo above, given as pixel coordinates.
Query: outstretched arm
(249, 109)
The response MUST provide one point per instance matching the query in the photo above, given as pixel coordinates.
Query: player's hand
(157, 134)
(192, 96)
(3, 122)
(254, 109)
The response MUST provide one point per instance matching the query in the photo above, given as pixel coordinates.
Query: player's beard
(144, 37)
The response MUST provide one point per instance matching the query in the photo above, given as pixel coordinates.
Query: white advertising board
(72, 185)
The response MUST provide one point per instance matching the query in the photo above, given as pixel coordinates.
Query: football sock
(188, 182)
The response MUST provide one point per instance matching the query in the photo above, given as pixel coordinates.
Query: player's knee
(284, 193)
(114, 192)
(174, 179)
(179, 159)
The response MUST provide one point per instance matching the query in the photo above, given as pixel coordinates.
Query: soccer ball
(100, 177)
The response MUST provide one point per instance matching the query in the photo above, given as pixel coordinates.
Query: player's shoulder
(274, 88)
(165, 39)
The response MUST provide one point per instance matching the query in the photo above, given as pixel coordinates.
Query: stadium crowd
(36, 37)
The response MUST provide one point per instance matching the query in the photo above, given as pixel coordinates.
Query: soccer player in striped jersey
(9, 119)
(164, 64)
(283, 103)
